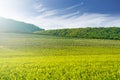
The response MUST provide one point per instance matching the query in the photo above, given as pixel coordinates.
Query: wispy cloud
(43, 11)
(70, 15)
(40, 8)
(74, 6)
(85, 20)
(49, 19)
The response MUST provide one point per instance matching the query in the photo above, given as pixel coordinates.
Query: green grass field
(38, 57)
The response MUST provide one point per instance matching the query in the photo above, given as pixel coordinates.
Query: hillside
(8, 25)
(88, 33)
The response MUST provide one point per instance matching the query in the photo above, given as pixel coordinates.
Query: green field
(39, 57)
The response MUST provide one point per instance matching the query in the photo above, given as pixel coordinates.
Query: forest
(86, 33)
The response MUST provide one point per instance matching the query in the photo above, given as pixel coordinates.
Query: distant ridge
(87, 33)
(13, 26)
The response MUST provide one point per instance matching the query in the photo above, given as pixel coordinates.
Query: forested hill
(8, 25)
(88, 33)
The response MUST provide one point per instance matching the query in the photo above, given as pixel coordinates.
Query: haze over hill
(8, 25)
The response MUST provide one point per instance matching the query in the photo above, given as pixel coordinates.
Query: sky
(58, 14)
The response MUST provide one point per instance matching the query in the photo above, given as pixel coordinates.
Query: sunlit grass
(37, 57)
(83, 67)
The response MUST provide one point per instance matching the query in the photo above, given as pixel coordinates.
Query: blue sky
(57, 14)
(92, 6)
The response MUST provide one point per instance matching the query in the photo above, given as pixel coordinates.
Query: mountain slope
(88, 33)
(8, 25)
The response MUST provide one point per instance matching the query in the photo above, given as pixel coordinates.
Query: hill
(8, 25)
(88, 33)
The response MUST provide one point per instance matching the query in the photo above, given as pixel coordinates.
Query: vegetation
(8, 25)
(88, 33)
(40, 57)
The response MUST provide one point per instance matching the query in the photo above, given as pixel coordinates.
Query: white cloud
(49, 19)
(74, 6)
(85, 20)
(40, 8)
(70, 15)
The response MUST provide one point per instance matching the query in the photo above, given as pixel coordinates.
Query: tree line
(88, 33)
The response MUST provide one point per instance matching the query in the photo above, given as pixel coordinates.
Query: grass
(38, 57)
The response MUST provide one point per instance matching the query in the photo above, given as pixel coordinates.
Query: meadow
(40, 57)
